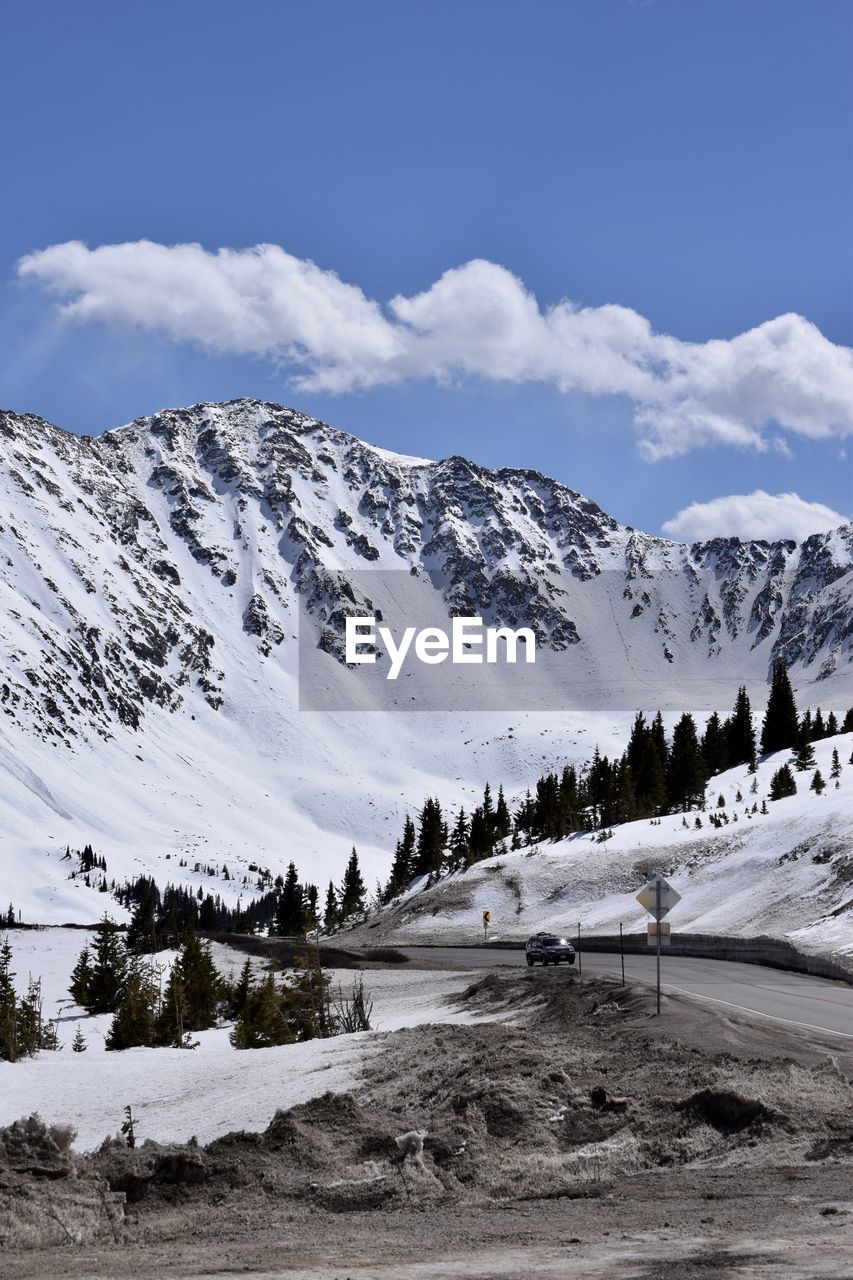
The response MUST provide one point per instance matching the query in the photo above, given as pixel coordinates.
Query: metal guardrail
(774, 953)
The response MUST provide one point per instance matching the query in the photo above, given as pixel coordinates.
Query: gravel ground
(577, 1135)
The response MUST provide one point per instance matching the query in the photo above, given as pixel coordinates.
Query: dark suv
(547, 948)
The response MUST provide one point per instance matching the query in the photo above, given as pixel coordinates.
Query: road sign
(661, 927)
(658, 901)
(486, 917)
(658, 897)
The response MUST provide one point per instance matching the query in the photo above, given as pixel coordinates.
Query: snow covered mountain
(151, 580)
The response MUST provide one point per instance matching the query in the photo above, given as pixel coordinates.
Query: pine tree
(740, 732)
(312, 911)
(651, 777)
(687, 773)
(352, 889)
(78, 1044)
(290, 916)
(782, 784)
(109, 969)
(524, 821)
(408, 845)
(804, 758)
(29, 1029)
(817, 783)
(479, 837)
(715, 747)
(193, 993)
(781, 724)
(331, 911)
(568, 801)
(459, 840)
(305, 1002)
(401, 867)
(502, 822)
(134, 1021)
(8, 1006)
(23, 1031)
(128, 1129)
(239, 993)
(835, 771)
(431, 839)
(142, 935)
(831, 725)
(80, 987)
(488, 808)
(261, 1023)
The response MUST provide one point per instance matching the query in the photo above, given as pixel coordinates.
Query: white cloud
(477, 320)
(772, 516)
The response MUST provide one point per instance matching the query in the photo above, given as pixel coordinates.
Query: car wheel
(530, 961)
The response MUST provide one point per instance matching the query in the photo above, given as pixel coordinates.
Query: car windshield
(551, 942)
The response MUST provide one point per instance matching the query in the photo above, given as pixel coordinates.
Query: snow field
(205, 1092)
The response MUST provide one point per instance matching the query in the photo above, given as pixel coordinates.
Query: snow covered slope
(211, 1091)
(150, 582)
(787, 873)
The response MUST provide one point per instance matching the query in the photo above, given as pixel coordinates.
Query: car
(548, 948)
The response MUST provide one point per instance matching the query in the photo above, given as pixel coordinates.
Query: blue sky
(671, 168)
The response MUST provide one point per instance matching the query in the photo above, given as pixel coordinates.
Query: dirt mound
(136, 1171)
(30, 1147)
(559, 998)
(725, 1110)
(48, 1195)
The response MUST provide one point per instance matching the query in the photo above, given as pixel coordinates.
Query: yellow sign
(486, 917)
(658, 901)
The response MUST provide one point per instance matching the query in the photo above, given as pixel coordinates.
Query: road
(792, 998)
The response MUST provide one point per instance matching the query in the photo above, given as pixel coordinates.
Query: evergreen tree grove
(193, 994)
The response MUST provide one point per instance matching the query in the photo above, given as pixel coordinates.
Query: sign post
(486, 918)
(658, 920)
(658, 898)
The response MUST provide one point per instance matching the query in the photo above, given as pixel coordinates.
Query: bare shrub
(353, 1012)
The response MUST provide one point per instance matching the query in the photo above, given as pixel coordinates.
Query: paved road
(785, 997)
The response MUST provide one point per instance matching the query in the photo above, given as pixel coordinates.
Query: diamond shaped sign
(648, 897)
